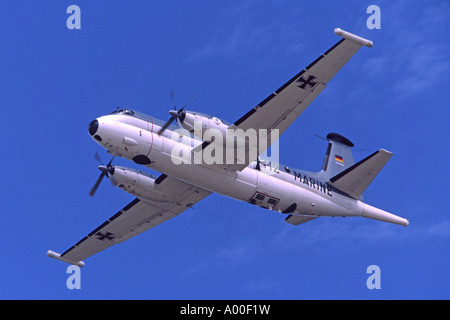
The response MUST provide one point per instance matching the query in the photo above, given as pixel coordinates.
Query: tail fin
(338, 157)
(355, 179)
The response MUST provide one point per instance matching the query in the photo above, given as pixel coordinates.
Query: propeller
(106, 171)
(258, 167)
(175, 114)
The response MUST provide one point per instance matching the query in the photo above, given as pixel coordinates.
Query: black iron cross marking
(107, 235)
(307, 82)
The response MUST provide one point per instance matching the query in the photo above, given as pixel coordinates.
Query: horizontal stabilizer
(355, 180)
(296, 220)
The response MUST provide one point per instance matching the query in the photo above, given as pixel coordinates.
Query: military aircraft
(186, 178)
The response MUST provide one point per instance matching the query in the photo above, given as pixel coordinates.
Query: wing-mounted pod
(204, 126)
(141, 184)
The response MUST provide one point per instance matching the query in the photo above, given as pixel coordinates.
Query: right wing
(280, 109)
(136, 217)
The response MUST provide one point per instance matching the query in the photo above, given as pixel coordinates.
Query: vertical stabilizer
(339, 156)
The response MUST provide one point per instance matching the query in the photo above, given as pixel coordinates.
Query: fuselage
(276, 187)
(133, 135)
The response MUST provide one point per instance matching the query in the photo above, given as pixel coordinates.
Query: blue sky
(231, 55)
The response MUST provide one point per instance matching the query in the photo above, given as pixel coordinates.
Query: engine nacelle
(198, 123)
(140, 184)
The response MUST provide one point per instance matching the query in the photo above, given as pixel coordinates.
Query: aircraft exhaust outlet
(378, 214)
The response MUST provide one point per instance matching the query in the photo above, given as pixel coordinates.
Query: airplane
(299, 195)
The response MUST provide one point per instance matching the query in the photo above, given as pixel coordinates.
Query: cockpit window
(123, 111)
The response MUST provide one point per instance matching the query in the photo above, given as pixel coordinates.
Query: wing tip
(387, 152)
(57, 256)
(352, 37)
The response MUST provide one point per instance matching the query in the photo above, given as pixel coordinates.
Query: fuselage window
(259, 197)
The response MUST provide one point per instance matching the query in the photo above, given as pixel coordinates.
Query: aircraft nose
(93, 128)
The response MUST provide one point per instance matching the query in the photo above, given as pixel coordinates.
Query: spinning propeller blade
(174, 114)
(106, 170)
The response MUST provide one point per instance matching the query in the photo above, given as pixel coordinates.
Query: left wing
(280, 109)
(136, 217)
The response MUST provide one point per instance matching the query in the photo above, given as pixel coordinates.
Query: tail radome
(339, 155)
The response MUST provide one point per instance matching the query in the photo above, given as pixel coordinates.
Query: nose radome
(93, 127)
